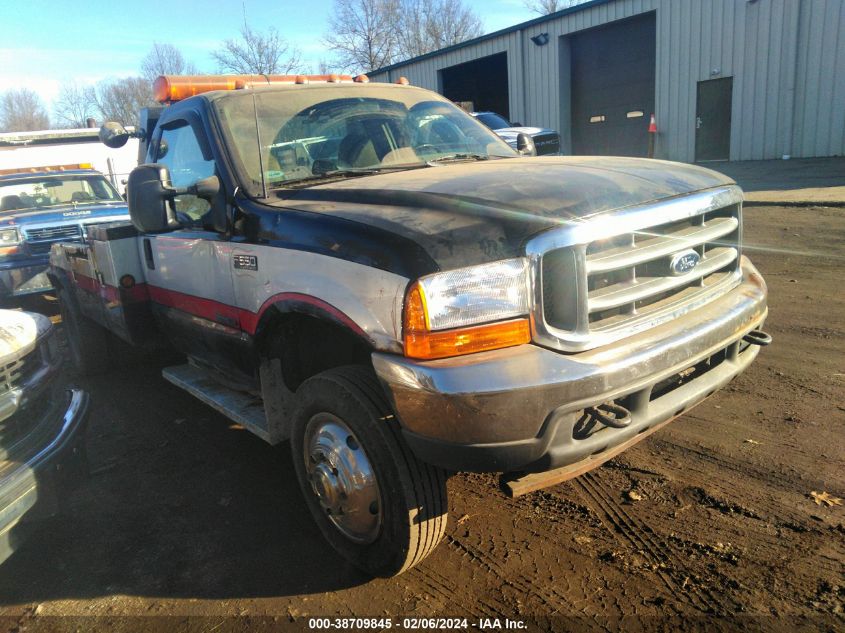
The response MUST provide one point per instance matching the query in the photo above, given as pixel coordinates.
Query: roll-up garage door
(613, 70)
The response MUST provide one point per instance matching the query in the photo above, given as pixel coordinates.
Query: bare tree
(22, 110)
(546, 7)
(258, 54)
(369, 34)
(165, 59)
(75, 104)
(362, 33)
(121, 99)
(429, 25)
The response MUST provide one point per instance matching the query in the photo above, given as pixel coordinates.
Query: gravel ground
(709, 523)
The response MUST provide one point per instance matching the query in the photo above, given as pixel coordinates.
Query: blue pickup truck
(43, 205)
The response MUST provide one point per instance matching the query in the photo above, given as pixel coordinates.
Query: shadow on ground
(180, 503)
(782, 175)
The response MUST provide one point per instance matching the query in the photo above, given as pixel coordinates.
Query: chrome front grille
(634, 280)
(15, 373)
(610, 276)
(547, 144)
(12, 373)
(40, 240)
(53, 233)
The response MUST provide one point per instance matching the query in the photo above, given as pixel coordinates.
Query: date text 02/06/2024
(495, 624)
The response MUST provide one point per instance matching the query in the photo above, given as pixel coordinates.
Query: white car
(42, 427)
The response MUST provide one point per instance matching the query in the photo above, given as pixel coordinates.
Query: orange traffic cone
(652, 132)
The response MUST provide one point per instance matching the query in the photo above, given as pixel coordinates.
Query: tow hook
(758, 337)
(610, 414)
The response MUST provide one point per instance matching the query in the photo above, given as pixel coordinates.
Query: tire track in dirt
(557, 510)
(507, 575)
(668, 566)
(745, 468)
(770, 511)
(446, 589)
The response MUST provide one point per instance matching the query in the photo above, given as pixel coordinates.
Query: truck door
(189, 270)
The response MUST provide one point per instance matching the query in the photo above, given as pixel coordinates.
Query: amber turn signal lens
(424, 344)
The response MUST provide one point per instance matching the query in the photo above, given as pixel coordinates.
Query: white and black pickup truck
(400, 302)
(543, 141)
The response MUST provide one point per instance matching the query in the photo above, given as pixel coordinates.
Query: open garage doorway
(482, 82)
(612, 89)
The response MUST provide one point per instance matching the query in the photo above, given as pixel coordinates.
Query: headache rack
(605, 278)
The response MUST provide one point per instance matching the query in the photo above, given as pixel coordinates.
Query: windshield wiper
(457, 157)
(333, 174)
(339, 174)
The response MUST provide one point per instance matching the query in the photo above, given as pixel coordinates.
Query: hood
(80, 213)
(467, 213)
(19, 332)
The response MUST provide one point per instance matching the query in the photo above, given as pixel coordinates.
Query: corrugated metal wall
(787, 58)
(820, 86)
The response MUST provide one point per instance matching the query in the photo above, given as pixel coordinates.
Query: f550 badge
(245, 262)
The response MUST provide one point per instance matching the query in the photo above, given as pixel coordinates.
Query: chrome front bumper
(34, 484)
(516, 408)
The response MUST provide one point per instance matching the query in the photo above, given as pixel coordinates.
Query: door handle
(148, 254)
(698, 123)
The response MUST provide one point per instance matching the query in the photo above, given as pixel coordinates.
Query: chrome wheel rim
(342, 478)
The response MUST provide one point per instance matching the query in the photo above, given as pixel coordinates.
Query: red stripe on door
(198, 306)
(208, 309)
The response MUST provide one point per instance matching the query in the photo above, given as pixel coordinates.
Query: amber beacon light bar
(172, 88)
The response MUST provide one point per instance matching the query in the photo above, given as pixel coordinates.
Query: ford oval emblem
(684, 262)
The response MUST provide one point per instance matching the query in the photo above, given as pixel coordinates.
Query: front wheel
(376, 504)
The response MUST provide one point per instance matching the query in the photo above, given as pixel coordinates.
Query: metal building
(725, 79)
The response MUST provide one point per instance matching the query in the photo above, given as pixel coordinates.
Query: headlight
(468, 310)
(9, 237)
(478, 294)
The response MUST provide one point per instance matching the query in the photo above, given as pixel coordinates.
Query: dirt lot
(186, 514)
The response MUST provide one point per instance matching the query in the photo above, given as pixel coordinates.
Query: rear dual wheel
(376, 504)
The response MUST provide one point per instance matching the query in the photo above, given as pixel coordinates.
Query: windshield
(492, 120)
(312, 133)
(41, 192)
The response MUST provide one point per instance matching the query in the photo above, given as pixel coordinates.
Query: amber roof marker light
(172, 88)
(46, 168)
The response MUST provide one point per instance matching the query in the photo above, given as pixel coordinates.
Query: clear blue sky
(48, 42)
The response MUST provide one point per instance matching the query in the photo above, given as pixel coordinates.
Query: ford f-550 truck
(400, 302)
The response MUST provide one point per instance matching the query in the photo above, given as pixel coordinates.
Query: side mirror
(211, 190)
(113, 135)
(525, 145)
(206, 188)
(148, 193)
